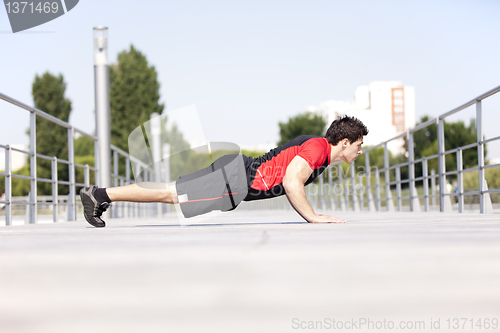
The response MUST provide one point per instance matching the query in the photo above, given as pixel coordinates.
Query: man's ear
(344, 143)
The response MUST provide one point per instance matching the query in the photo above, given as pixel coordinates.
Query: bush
(492, 176)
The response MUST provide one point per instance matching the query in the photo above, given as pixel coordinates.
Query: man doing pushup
(284, 170)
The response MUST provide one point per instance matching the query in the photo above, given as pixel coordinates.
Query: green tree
(302, 124)
(84, 146)
(84, 154)
(134, 95)
(51, 139)
(456, 134)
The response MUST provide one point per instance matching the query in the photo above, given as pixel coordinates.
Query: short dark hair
(345, 127)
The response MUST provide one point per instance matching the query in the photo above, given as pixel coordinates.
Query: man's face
(352, 150)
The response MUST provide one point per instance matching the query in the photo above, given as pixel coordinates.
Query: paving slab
(253, 271)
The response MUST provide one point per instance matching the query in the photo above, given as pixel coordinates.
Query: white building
(386, 108)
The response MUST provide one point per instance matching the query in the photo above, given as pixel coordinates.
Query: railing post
(480, 154)
(114, 210)
(433, 187)
(330, 188)
(361, 196)
(425, 175)
(368, 180)
(138, 178)
(441, 163)
(321, 192)
(115, 168)
(377, 190)
(33, 192)
(460, 181)
(411, 169)
(71, 166)
(102, 105)
(345, 189)
(8, 185)
(398, 187)
(97, 163)
(122, 204)
(55, 191)
(354, 196)
(127, 182)
(86, 175)
(387, 177)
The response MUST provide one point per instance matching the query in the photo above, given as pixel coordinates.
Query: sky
(247, 65)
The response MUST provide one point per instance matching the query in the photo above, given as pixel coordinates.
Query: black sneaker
(92, 208)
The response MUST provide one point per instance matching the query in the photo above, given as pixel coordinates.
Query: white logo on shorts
(183, 198)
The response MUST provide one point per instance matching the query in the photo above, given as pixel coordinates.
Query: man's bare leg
(144, 192)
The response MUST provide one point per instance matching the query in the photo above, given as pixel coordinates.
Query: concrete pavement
(252, 271)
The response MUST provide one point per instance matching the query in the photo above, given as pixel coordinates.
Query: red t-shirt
(266, 172)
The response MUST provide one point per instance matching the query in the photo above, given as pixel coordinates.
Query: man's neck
(336, 153)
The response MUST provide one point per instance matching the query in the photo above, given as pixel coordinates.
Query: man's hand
(325, 219)
(296, 175)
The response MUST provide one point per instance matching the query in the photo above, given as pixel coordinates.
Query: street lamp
(102, 106)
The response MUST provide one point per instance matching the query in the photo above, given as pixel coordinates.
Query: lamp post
(102, 106)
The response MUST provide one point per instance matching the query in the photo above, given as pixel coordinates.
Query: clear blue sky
(249, 64)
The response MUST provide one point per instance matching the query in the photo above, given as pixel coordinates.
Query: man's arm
(297, 173)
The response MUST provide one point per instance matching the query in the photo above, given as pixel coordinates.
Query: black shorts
(220, 186)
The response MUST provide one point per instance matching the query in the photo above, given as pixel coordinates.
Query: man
(286, 169)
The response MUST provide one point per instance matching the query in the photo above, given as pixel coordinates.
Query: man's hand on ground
(326, 219)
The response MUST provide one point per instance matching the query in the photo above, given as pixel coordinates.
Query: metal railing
(72, 197)
(340, 195)
(349, 199)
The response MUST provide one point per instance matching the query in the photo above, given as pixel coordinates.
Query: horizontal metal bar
(368, 149)
(63, 162)
(16, 102)
(119, 151)
(45, 157)
(94, 138)
(50, 158)
(125, 154)
(471, 192)
(21, 151)
(492, 139)
(44, 180)
(461, 148)
(23, 203)
(432, 156)
(423, 125)
(471, 169)
(22, 177)
(490, 166)
(43, 115)
(470, 103)
(84, 166)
